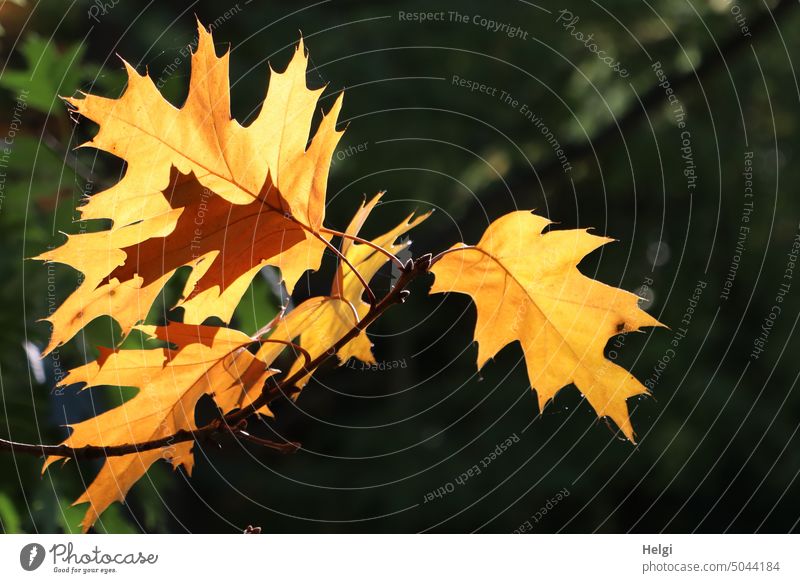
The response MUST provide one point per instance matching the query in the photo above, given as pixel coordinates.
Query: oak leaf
(206, 361)
(199, 190)
(527, 288)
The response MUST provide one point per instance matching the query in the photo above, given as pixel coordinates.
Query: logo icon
(31, 556)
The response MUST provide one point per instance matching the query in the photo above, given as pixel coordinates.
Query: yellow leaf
(527, 288)
(199, 190)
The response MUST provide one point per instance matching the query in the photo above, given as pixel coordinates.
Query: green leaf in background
(9, 518)
(113, 521)
(257, 308)
(69, 517)
(50, 73)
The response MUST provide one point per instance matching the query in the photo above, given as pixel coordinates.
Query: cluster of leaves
(203, 192)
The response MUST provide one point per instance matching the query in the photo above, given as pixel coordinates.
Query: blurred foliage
(48, 70)
(718, 444)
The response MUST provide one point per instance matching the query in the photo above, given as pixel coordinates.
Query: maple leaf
(199, 190)
(207, 360)
(527, 288)
(337, 314)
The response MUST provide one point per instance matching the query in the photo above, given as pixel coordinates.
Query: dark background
(718, 445)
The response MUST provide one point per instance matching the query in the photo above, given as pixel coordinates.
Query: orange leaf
(208, 360)
(199, 190)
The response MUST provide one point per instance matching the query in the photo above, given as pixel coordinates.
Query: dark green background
(718, 445)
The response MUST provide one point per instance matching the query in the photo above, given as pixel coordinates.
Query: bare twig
(232, 423)
(285, 447)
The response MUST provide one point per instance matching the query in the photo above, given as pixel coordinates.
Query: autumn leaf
(199, 190)
(337, 314)
(206, 361)
(527, 288)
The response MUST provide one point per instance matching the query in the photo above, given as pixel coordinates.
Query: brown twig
(232, 423)
(285, 447)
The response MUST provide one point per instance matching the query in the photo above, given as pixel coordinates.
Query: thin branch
(391, 256)
(98, 451)
(294, 346)
(286, 447)
(370, 294)
(232, 422)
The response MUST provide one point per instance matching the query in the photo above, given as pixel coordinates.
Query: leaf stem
(370, 294)
(296, 347)
(391, 256)
(451, 250)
